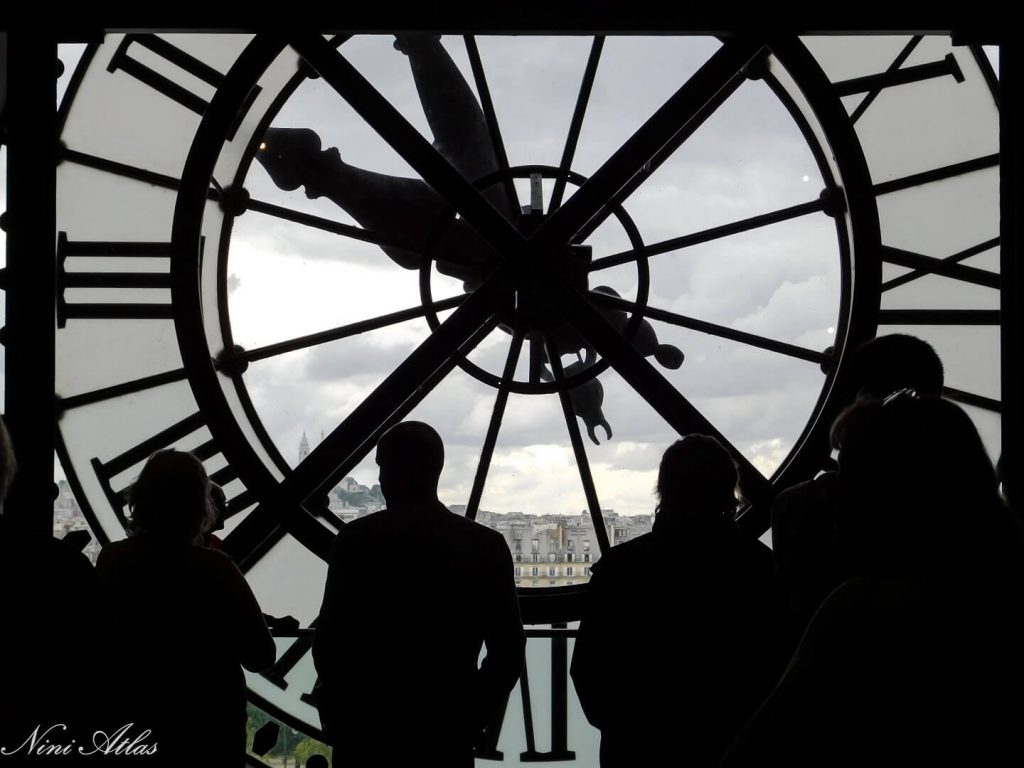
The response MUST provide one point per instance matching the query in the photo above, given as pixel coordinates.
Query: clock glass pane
(772, 281)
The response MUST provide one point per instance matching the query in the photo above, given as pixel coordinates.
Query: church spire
(303, 446)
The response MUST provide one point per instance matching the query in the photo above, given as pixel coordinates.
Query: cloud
(779, 281)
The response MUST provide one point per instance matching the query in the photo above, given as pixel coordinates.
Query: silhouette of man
(693, 604)
(803, 517)
(413, 593)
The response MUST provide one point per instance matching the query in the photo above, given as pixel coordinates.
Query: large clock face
(610, 242)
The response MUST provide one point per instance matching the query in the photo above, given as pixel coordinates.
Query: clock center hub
(535, 305)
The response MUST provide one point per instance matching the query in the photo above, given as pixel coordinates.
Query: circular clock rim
(857, 307)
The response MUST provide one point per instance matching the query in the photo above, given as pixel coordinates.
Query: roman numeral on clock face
(100, 287)
(134, 50)
(134, 457)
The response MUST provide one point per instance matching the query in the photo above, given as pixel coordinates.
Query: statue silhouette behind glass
(410, 210)
(413, 593)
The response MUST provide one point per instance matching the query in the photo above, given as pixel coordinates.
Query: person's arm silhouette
(591, 653)
(255, 644)
(503, 637)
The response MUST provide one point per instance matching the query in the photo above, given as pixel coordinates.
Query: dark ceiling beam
(985, 22)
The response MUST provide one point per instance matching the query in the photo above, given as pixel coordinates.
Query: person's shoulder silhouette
(413, 593)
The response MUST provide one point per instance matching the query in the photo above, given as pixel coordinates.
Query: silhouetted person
(413, 592)
(52, 647)
(692, 605)
(916, 659)
(188, 620)
(803, 517)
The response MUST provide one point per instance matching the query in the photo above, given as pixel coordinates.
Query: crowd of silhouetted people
(883, 627)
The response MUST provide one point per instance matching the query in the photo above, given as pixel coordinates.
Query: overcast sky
(749, 158)
(781, 281)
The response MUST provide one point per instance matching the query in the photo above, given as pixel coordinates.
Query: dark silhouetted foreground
(916, 659)
(413, 593)
(807, 562)
(186, 618)
(692, 606)
(52, 643)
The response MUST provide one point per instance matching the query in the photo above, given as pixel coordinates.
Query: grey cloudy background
(780, 281)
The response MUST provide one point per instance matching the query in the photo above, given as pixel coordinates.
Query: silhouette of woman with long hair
(188, 620)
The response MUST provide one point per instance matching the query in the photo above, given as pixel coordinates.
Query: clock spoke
(127, 171)
(342, 331)
(970, 398)
(576, 124)
(390, 239)
(356, 436)
(578, 449)
(937, 174)
(649, 384)
(119, 390)
(708, 235)
(497, 415)
(491, 118)
(722, 331)
(664, 132)
(257, 535)
(433, 168)
(920, 272)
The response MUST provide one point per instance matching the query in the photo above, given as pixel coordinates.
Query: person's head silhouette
(410, 456)
(696, 476)
(897, 361)
(170, 502)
